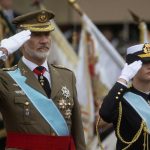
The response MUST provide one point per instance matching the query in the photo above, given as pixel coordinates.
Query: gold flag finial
(143, 32)
(75, 6)
(72, 1)
(135, 17)
(141, 25)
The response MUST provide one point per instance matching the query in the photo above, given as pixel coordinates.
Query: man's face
(6, 4)
(144, 73)
(38, 46)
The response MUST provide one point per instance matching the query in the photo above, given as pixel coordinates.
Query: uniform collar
(143, 94)
(32, 65)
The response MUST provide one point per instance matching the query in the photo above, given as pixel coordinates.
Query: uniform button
(117, 97)
(26, 103)
(119, 93)
(121, 89)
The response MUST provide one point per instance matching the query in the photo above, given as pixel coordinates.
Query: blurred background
(112, 18)
(90, 38)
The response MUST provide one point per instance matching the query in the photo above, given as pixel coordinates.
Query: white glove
(14, 42)
(129, 71)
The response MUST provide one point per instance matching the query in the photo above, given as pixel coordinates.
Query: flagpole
(76, 6)
(143, 32)
(141, 25)
(92, 61)
(39, 4)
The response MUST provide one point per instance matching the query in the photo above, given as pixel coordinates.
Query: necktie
(43, 80)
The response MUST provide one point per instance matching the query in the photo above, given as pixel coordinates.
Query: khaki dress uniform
(21, 116)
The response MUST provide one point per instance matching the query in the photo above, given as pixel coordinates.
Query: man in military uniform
(128, 107)
(38, 101)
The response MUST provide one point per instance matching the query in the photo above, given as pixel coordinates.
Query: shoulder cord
(146, 139)
(136, 136)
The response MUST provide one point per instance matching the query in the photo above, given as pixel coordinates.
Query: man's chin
(38, 54)
(42, 55)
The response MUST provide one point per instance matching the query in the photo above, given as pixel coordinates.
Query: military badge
(62, 103)
(65, 92)
(24, 71)
(20, 92)
(42, 80)
(68, 114)
(42, 17)
(65, 106)
(15, 84)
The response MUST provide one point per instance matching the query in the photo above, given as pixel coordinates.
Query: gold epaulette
(60, 67)
(10, 69)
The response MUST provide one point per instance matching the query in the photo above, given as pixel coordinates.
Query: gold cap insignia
(42, 17)
(146, 48)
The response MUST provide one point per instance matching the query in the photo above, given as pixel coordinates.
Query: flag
(110, 62)
(108, 66)
(61, 51)
(84, 89)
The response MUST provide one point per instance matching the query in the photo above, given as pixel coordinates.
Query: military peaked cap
(38, 21)
(138, 52)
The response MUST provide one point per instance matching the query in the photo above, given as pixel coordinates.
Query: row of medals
(65, 106)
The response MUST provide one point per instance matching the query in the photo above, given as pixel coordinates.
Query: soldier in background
(7, 14)
(8, 10)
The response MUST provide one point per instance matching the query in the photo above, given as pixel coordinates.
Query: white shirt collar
(32, 65)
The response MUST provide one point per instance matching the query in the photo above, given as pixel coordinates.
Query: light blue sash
(45, 106)
(140, 106)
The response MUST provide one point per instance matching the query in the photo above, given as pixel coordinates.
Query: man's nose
(44, 39)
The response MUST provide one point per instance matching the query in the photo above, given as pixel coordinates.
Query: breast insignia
(65, 92)
(65, 105)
